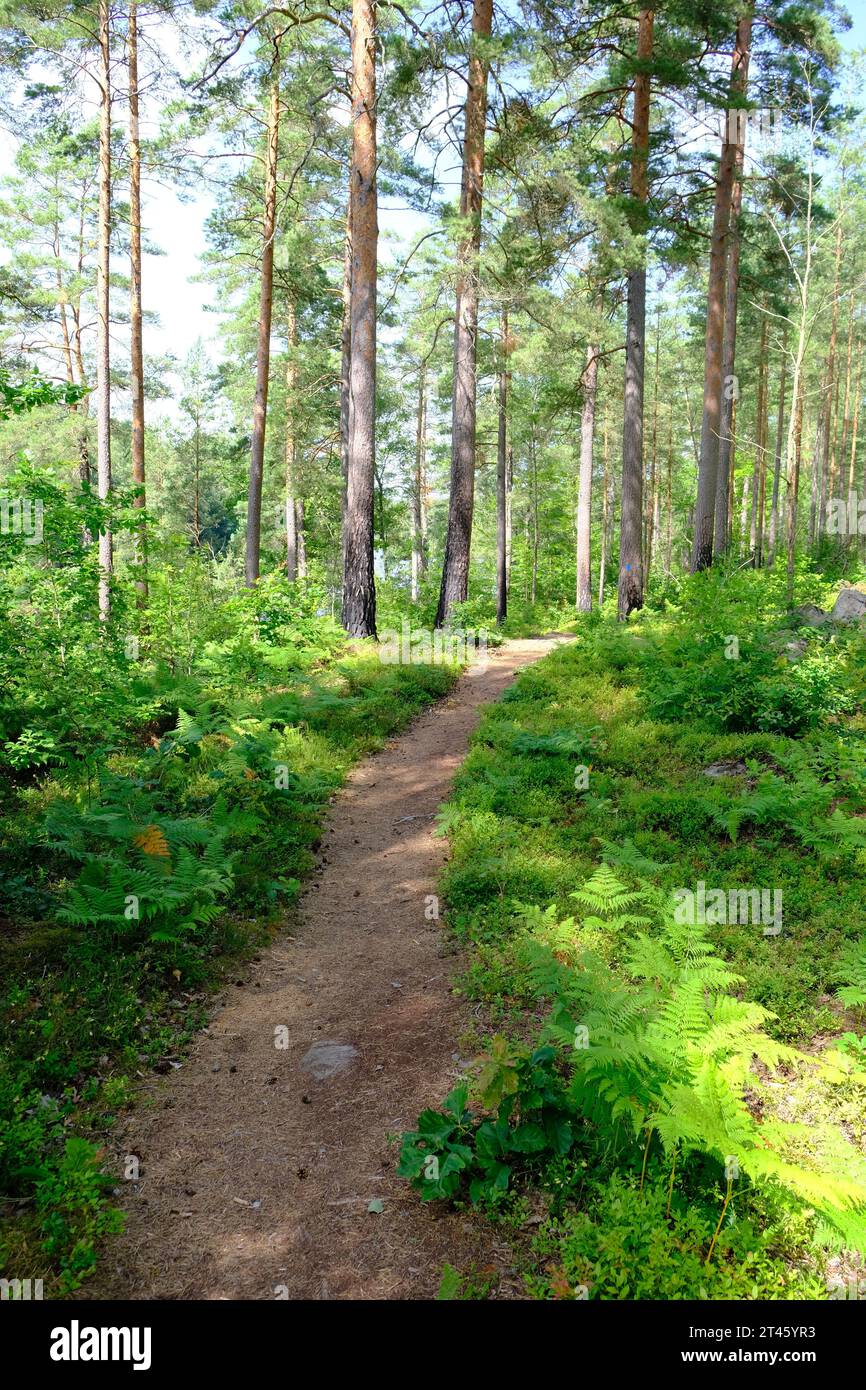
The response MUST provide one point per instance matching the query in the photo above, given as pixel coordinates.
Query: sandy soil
(256, 1177)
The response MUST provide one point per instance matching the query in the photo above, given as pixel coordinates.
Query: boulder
(810, 615)
(795, 651)
(730, 768)
(850, 606)
(325, 1059)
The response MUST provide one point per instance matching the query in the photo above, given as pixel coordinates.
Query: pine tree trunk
(289, 455)
(630, 588)
(722, 525)
(135, 310)
(346, 362)
(502, 480)
(605, 509)
(846, 418)
(708, 470)
(263, 342)
(652, 496)
(418, 484)
(792, 460)
(757, 461)
(301, 532)
(763, 436)
(669, 500)
(828, 480)
(103, 273)
(359, 591)
(857, 387)
(458, 540)
(533, 587)
(777, 462)
(589, 383)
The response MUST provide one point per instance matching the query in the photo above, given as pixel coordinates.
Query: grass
(601, 751)
(92, 999)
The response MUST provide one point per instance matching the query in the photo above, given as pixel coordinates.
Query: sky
(178, 227)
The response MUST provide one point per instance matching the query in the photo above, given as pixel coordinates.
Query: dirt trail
(256, 1176)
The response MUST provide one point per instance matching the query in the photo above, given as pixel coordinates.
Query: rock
(325, 1059)
(795, 650)
(810, 615)
(726, 769)
(849, 607)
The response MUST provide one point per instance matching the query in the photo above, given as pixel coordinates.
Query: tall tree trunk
(136, 350)
(301, 533)
(708, 470)
(418, 484)
(346, 363)
(458, 540)
(289, 455)
(196, 482)
(669, 499)
(359, 590)
(652, 497)
(533, 587)
(857, 387)
(103, 273)
(846, 419)
(828, 480)
(509, 495)
(502, 480)
(605, 507)
(816, 471)
(763, 437)
(722, 525)
(757, 463)
(263, 341)
(630, 589)
(777, 462)
(589, 382)
(792, 470)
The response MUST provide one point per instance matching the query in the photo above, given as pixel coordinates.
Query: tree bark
(263, 343)
(605, 509)
(359, 590)
(827, 472)
(722, 527)
(289, 454)
(763, 436)
(854, 423)
(669, 499)
(630, 589)
(135, 309)
(757, 462)
(589, 382)
(533, 586)
(652, 496)
(301, 532)
(103, 273)
(708, 470)
(458, 540)
(502, 488)
(418, 528)
(346, 362)
(777, 462)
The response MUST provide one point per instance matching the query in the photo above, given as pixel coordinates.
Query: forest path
(255, 1176)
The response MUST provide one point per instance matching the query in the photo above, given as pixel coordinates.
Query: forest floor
(256, 1174)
